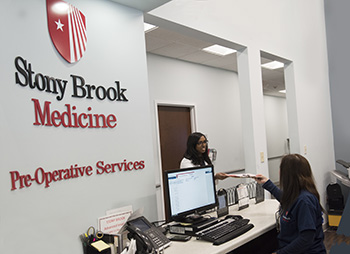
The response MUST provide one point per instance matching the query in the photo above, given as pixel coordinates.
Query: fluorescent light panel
(149, 27)
(273, 65)
(219, 50)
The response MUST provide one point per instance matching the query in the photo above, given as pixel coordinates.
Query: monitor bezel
(181, 217)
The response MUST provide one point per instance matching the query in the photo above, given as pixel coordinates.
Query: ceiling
(143, 5)
(171, 44)
(168, 43)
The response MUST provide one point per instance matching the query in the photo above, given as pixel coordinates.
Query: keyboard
(225, 230)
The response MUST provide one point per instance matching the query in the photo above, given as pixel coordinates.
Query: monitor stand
(195, 218)
(192, 224)
(192, 219)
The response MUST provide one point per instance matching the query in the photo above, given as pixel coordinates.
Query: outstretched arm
(268, 185)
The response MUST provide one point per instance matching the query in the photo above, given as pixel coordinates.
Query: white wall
(43, 220)
(293, 30)
(276, 132)
(215, 96)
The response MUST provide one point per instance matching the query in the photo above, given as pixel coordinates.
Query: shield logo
(67, 28)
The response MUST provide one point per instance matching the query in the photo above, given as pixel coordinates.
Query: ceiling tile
(153, 43)
(199, 57)
(175, 50)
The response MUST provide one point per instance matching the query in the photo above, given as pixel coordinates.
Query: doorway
(174, 128)
(275, 109)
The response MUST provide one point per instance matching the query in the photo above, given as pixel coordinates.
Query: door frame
(159, 177)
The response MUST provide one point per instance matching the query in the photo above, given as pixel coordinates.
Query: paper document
(246, 175)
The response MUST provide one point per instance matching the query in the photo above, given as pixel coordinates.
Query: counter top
(261, 215)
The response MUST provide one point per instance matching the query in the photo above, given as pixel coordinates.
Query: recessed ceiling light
(149, 27)
(282, 91)
(273, 65)
(219, 50)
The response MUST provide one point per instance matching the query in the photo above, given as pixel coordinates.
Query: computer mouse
(235, 217)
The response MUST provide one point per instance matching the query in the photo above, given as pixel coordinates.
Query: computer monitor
(189, 192)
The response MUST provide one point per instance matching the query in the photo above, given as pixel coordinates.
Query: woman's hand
(220, 176)
(260, 178)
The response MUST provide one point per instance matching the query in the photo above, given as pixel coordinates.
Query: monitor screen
(189, 191)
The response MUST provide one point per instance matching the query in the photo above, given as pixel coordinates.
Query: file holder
(260, 193)
(242, 196)
(231, 195)
(114, 242)
(95, 248)
(222, 209)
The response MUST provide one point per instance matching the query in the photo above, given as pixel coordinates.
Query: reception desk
(261, 215)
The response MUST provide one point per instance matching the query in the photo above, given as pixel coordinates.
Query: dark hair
(295, 176)
(191, 152)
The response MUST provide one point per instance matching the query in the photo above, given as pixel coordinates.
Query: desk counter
(261, 215)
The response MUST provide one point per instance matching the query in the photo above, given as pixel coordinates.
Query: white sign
(112, 223)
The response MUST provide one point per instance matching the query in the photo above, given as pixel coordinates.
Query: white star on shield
(59, 25)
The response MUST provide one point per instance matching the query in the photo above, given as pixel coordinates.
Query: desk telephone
(149, 238)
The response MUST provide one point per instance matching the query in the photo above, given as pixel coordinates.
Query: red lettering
(136, 163)
(107, 167)
(113, 167)
(14, 179)
(83, 120)
(40, 114)
(42, 172)
(80, 122)
(48, 179)
(111, 121)
(88, 170)
(55, 174)
(27, 180)
(67, 115)
(81, 170)
(24, 180)
(120, 166)
(90, 119)
(142, 165)
(124, 163)
(99, 165)
(61, 172)
(66, 174)
(54, 117)
(130, 167)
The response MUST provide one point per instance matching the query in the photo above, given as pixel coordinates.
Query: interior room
(85, 88)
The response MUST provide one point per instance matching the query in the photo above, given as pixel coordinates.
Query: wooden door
(174, 129)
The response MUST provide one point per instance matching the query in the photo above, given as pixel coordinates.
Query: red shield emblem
(67, 28)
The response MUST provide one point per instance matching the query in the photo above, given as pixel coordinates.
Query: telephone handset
(148, 237)
(143, 244)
